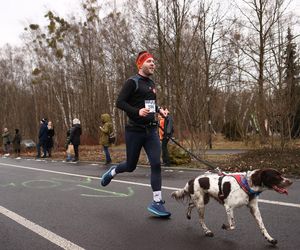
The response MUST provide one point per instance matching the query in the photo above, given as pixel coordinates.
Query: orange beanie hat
(142, 57)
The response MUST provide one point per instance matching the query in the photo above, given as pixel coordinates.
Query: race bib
(150, 104)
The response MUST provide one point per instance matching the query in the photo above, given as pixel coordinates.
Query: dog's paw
(209, 234)
(226, 227)
(273, 241)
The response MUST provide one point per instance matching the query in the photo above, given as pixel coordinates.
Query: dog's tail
(183, 193)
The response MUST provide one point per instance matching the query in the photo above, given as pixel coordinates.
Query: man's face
(148, 67)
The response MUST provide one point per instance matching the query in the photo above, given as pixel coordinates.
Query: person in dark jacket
(50, 135)
(43, 138)
(138, 99)
(6, 141)
(17, 143)
(75, 134)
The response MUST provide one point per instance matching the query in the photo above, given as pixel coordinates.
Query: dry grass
(91, 153)
(256, 156)
(219, 142)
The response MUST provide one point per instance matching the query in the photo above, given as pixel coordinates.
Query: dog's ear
(270, 177)
(256, 178)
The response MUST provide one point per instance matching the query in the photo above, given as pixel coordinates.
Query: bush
(177, 155)
(231, 131)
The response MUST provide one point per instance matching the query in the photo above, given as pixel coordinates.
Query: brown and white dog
(232, 190)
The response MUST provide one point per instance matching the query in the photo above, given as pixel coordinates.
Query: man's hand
(143, 112)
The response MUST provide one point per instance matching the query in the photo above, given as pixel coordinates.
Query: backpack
(136, 79)
(168, 126)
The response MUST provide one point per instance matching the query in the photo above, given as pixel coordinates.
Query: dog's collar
(242, 181)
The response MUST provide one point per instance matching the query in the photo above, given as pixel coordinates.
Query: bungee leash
(207, 163)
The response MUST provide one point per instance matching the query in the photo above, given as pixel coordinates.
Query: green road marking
(86, 181)
(7, 185)
(38, 184)
(54, 182)
(108, 193)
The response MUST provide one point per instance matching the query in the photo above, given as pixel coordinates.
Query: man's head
(145, 63)
(76, 121)
(43, 120)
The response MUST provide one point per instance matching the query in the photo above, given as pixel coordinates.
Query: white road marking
(48, 235)
(280, 203)
(135, 183)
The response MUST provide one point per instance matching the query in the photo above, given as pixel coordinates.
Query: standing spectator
(68, 150)
(138, 99)
(75, 137)
(50, 135)
(6, 141)
(105, 130)
(165, 132)
(17, 143)
(43, 138)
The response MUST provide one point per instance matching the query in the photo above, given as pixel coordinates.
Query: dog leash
(213, 167)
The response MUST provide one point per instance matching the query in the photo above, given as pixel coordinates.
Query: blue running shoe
(158, 209)
(107, 177)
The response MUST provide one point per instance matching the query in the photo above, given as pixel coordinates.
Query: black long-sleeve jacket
(132, 98)
(75, 134)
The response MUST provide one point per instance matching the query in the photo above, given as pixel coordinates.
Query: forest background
(229, 67)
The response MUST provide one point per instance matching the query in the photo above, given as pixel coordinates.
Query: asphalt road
(54, 205)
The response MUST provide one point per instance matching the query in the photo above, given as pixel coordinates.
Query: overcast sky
(16, 14)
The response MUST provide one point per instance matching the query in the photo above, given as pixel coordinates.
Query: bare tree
(260, 18)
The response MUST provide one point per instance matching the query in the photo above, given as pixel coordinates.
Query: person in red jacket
(163, 136)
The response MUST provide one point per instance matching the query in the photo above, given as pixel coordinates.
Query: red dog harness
(241, 180)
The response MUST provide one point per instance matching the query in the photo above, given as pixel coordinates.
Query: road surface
(58, 205)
